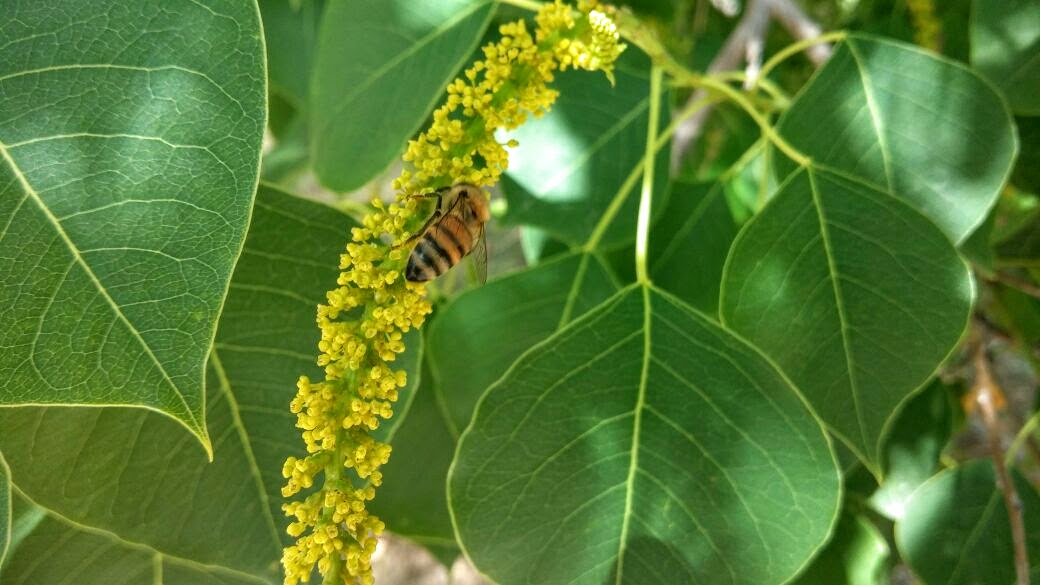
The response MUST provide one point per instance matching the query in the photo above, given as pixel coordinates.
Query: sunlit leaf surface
(571, 162)
(139, 476)
(381, 66)
(642, 443)
(857, 297)
(928, 130)
(128, 162)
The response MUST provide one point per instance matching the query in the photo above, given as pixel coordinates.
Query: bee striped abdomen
(438, 250)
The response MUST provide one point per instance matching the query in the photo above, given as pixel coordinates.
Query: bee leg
(418, 233)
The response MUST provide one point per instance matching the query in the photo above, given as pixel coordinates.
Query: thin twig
(747, 41)
(988, 398)
(1021, 284)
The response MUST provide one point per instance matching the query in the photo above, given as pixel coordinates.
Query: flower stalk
(364, 318)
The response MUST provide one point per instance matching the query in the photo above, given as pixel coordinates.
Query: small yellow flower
(365, 317)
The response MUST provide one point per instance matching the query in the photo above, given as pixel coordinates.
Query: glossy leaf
(381, 66)
(1005, 45)
(571, 161)
(137, 475)
(60, 551)
(912, 450)
(856, 296)
(690, 243)
(926, 129)
(642, 444)
(856, 555)
(129, 162)
(956, 529)
(480, 334)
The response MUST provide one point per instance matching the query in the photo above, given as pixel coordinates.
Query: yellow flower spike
(331, 526)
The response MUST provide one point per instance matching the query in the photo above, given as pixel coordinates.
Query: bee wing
(479, 255)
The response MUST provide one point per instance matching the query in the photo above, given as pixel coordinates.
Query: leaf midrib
(636, 429)
(839, 301)
(199, 430)
(247, 447)
(116, 538)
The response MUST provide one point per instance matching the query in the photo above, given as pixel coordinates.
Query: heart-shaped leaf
(643, 443)
(1005, 45)
(926, 129)
(128, 163)
(571, 161)
(480, 334)
(381, 66)
(138, 476)
(856, 296)
(956, 529)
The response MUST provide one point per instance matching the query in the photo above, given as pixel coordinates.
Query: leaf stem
(711, 84)
(643, 221)
(794, 48)
(630, 181)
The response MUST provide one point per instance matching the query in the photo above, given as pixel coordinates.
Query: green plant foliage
(413, 498)
(690, 244)
(291, 35)
(571, 471)
(864, 114)
(856, 296)
(124, 205)
(138, 476)
(1005, 42)
(58, 550)
(956, 530)
(856, 555)
(912, 449)
(481, 333)
(380, 67)
(572, 161)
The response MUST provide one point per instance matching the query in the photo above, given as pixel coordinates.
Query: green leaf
(1005, 45)
(481, 332)
(135, 474)
(956, 529)
(690, 242)
(911, 454)
(60, 551)
(571, 161)
(856, 555)
(854, 294)
(909, 122)
(643, 444)
(291, 35)
(128, 159)
(413, 500)
(5, 510)
(381, 66)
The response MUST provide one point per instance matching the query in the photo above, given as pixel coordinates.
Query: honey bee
(454, 231)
